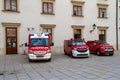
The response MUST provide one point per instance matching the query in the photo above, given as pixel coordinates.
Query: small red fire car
(76, 48)
(100, 47)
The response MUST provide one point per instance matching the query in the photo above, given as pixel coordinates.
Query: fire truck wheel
(98, 52)
(49, 59)
(29, 60)
(72, 55)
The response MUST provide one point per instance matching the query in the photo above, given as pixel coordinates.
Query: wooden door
(11, 40)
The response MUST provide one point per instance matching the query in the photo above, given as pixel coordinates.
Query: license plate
(108, 50)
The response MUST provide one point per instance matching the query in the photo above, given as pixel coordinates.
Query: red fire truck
(100, 47)
(76, 48)
(39, 47)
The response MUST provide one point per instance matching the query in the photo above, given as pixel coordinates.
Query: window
(77, 33)
(47, 8)
(93, 43)
(102, 10)
(102, 32)
(10, 5)
(102, 35)
(77, 10)
(39, 42)
(78, 43)
(11, 32)
(48, 28)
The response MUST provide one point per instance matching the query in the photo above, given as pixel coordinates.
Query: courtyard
(61, 67)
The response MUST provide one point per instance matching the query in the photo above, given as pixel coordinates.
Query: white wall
(119, 38)
(119, 25)
(1, 31)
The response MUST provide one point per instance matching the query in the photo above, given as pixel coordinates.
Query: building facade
(118, 15)
(91, 20)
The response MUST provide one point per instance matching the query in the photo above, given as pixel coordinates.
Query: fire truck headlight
(88, 48)
(49, 51)
(75, 49)
(30, 51)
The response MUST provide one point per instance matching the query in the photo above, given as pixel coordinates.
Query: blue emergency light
(31, 34)
(46, 34)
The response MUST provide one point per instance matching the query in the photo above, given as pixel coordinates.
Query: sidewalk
(117, 51)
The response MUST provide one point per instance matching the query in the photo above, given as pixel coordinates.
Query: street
(61, 67)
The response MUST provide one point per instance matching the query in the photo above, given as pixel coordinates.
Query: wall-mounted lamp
(93, 26)
(30, 28)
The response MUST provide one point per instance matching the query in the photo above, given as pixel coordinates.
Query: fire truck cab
(39, 47)
(76, 48)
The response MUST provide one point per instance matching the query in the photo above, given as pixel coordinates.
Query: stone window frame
(102, 7)
(13, 11)
(77, 4)
(104, 28)
(48, 26)
(12, 25)
(48, 1)
(81, 27)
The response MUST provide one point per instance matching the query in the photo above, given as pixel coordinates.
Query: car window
(78, 43)
(93, 43)
(102, 43)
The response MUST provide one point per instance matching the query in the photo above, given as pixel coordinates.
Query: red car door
(92, 46)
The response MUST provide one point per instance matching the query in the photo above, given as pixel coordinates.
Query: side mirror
(51, 44)
(26, 45)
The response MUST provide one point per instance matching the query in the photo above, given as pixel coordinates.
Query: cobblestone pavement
(62, 67)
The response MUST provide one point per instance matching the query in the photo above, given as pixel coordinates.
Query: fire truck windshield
(39, 42)
(75, 43)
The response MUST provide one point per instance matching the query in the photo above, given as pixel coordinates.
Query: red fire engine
(76, 48)
(39, 47)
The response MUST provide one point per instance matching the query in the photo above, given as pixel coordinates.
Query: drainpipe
(117, 24)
